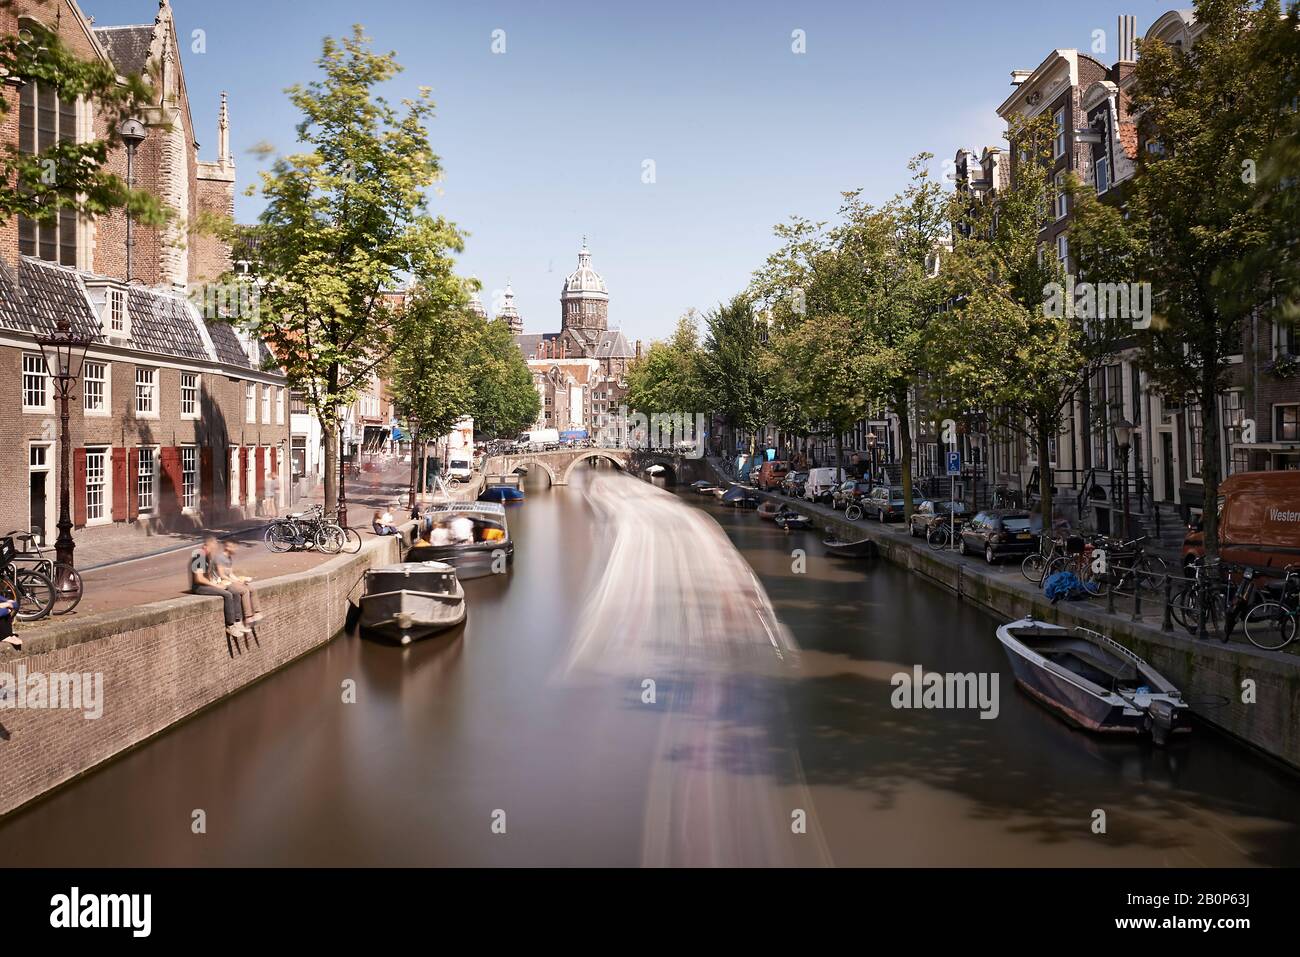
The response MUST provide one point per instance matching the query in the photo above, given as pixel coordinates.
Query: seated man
(205, 580)
(382, 524)
(240, 585)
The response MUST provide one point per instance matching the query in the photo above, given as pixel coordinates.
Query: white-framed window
(250, 402)
(1063, 250)
(279, 405)
(189, 477)
(1062, 200)
(1284, 338)
(95, 388)
(189, 395)
(146, 391)
(234, 477)
(146, 475)
(266, 405)
(47, 120)
(116, 318)
(36, 383)
(97, 491)
(1058, 142)
(1102, 175)
(1286, 423)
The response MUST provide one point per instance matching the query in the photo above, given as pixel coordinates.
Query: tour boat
(789, 519)
(1092, 681)
(473, 537)
(411, 600)
(502, 493)
(865, 548)
(768, 510)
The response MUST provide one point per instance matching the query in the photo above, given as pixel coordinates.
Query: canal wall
(160, 664)
(1252, 694)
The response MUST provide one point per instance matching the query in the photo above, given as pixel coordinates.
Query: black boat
(1092, 681)
(473, 537)
(740, 497)
(791, 520)
(413, 600)
(865, 548)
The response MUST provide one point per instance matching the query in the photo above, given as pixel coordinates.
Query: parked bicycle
(1273, 624)
(68, 587)
(1126, 566)
(941, 534)
(28, 586)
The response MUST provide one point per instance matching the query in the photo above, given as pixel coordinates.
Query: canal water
(660, 680)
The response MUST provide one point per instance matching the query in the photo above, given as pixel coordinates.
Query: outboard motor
(1161, 716)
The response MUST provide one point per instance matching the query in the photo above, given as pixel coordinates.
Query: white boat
(1092, 681)
(411, 600)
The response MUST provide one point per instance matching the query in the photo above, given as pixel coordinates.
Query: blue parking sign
(954, 463)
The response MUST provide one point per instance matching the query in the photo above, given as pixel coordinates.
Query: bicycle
(1202, 589)
(1272, 625)
(307, 529)
(940, 535)
(66, 579)
(1136, 569)
(30, 587)
(1035, 564)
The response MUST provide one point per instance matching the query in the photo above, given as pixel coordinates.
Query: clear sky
(547, 141)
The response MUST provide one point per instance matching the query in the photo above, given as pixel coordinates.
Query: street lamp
(64, 353)
(872, 438)
(132, 132)
(1123, 437)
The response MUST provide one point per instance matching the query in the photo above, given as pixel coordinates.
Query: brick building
(177, 422)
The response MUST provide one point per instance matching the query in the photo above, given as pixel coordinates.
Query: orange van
(771, 473)
(1259, 520)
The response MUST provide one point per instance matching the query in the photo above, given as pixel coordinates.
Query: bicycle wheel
(453, 483)
(1270, 626)
(1033, 567)
(68, 588)
(279, 536)
(853, 513)
(937, 537)
(1151, 571)
(329, 539)
(351, 541)
(35, 594)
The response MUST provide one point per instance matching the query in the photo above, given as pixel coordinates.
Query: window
(115, 312)
(1063, 251)
(189, 395)
(1102, 177)
(95, 376)
(144, 479)
(266, 405)
(279, 405)
(297, 403)
(96, 484)
(250, 402)
(1283, 339)
(1195, 443)
(44, 122)
(189, 476)
(1286, 423)
(1058, 143)
(146, 391)
(36, 392)
(1062, 200)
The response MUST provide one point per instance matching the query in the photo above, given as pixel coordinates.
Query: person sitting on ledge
(9, 612)
(241, 585)
(383, 524)
(205, 580)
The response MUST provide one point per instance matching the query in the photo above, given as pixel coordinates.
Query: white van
(538, 440)
(822, 482)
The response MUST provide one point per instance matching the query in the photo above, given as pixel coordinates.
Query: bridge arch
(619, 462)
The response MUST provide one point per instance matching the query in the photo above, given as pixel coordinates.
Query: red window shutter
(79, 487)
(132, 485)
(206, 481)
(261, 472)
(170, 489)
(120, 486)
(243, 475)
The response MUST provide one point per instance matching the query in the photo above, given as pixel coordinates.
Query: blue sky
(546, 142)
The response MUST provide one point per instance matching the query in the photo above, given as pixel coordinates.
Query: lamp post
(872, 438)
(132, 132)
(341, 513)
(1123, 437)
(64, 353)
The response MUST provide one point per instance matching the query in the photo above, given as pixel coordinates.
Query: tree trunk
(839, 455)
(415, 477)
(905, 440)
(1210, 461)
(330, 430)
(1045, 471)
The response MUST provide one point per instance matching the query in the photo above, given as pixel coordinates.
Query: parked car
(793, 483)
(1259, 520)
(770, 474)
(997, 533)
(822, 483)
(850, 493)
(886, 502)
(934, 510)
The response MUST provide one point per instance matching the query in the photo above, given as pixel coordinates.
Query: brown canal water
(628, 695)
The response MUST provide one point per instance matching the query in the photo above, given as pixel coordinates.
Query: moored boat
(1092, 681)
(502, 493)
(863, 548)
(789, 519)
(767, 511)
(738, 496)
(411, 600)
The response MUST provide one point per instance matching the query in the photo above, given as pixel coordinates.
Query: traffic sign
(954, 463)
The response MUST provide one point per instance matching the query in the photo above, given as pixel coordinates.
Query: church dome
(584, 282)
(584, 300)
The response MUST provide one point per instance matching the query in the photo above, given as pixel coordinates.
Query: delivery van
(770, 474)
(1259, 521)
(822, 482)
(538, 440)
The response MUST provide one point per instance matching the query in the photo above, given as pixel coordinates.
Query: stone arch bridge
(560, 463)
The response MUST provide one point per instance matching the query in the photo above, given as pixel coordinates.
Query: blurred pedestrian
(205, 580)
(240, 585)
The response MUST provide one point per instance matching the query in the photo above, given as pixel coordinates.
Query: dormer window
(115, 318)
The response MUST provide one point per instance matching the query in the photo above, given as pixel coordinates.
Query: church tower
(584, 300)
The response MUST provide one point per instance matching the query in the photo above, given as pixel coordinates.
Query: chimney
(1127, 38)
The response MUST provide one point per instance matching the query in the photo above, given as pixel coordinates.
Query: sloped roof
(163, 323)
(614, 343)
(127, 46)
(226, 344)
(43, 293)
(529, 342)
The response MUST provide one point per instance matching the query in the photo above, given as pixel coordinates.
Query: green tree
(504, 399)
(732, 365)
(68, 174)
(667, 378)
(346, 220)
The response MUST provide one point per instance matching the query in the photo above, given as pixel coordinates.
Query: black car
(793, 484)
(850, 493)
(934, 510)
(997, 533)
(885, 502)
